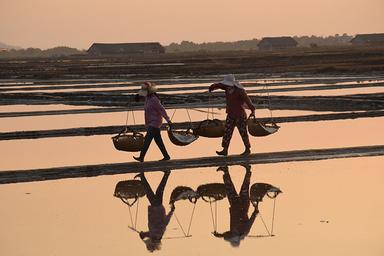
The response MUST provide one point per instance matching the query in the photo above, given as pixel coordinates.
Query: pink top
(158, 221)
(154, 112)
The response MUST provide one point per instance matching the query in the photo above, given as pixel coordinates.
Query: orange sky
(49, 23)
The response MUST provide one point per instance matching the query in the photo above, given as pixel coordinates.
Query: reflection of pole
(273, 214)
(215, 212)
(190, 221)
(137, 210)
(261, 217)
(213, 220)
(178, 222)
(130, 215)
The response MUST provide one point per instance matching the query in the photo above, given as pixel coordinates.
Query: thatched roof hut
(276, 43)
(125, 48)
(368, 39)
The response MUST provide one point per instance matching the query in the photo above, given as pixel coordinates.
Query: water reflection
(241, 217)
(240, 222)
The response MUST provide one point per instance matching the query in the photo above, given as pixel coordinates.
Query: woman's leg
(229, 187)
(147, 141)
(228, 131)
(241, 125)
(244, 190)
(161, 187)
(148, 190)
(160, 143)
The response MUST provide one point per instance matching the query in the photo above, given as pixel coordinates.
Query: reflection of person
(154, 113)
(236, 99)
(157, 217)
(240, 223)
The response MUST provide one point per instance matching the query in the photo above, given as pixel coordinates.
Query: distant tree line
(244, 45)
(60, 51)
(186, 46)
(313, 41)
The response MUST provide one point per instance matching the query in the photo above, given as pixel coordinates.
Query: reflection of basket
(183, 193)
(129, 189)
(259, 129)
(128, 142)
(210, 128)
(259, 190)
(181, 138)
(212, 192)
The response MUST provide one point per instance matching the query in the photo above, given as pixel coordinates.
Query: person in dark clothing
(157, 217)
(240, 223)
(237, 99)
(154, 113)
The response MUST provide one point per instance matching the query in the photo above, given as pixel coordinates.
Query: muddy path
(346, 60)
(115, 129)
(18, 176)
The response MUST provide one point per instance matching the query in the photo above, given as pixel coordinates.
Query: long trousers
(155, 199)
(153, 133)
(241, 124)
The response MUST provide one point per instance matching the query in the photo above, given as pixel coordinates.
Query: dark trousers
(232, 195)
(241, 124)
(153, 133)
(155, 199)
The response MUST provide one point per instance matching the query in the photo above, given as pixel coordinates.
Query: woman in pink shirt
(154, 113)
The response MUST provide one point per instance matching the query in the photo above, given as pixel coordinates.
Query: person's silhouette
(240, 223)
(157, 217)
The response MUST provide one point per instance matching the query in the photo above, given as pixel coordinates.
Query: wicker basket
(183, 193)
(212, 192)
(210, 128)
(129, 189)
(258, 129)
(181, 138)
(259, 190)
(131, 142)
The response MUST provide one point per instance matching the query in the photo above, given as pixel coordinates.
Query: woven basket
(129, 189)
(181, 138)
(131, 142)
(183, 193)
(258, 129)
(210, 128)
(212, 192)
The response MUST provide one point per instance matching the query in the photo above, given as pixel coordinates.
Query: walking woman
(154, 113)
(158, 220)
(240, 222)
(236, 99)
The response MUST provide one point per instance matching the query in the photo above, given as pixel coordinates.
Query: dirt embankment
(301, 60)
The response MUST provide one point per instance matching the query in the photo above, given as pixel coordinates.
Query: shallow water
(53, 152)
(320, 212)
(114, 118)
(328, 207)
(29, 108)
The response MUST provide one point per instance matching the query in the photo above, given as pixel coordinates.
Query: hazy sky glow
(78, 23)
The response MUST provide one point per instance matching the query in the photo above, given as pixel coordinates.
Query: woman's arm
(248, 102)
(161, 110)
(216, 86)
(169, 215)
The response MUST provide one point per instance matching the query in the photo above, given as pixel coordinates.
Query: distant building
(368, 39)
(125, 48)
(277, 43)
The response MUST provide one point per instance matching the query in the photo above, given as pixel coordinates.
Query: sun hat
(230, 80)
(147, 88)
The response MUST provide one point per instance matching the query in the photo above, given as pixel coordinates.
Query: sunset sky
(78, 23)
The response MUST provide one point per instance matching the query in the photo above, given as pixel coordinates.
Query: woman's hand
(170, 124)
